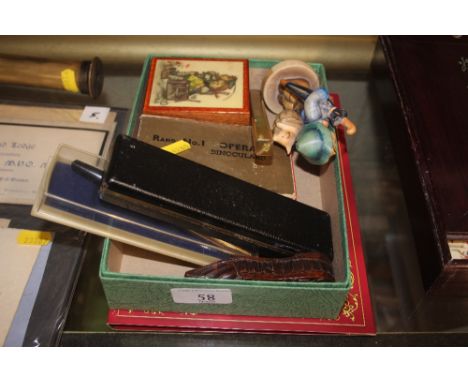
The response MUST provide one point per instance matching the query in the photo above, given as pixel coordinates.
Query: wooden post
(84, 77)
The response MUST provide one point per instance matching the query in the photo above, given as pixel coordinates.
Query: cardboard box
(130, 283)
(356, 316)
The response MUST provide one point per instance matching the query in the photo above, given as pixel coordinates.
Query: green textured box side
(249, 297)
(321, 300)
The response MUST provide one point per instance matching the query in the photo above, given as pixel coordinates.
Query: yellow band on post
(69, 80)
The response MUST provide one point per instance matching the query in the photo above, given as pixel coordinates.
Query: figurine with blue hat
(316, 141)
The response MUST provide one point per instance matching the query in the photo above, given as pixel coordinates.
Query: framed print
(214, 90)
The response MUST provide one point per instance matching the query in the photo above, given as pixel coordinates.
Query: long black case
(154, 182)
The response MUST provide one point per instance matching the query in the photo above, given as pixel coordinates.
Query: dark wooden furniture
(430, 75)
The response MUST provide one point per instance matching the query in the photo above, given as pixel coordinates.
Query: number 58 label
(201, 296)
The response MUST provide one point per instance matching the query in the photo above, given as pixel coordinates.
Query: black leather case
(154, 182)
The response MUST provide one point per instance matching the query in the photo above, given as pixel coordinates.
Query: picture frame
(215, 90)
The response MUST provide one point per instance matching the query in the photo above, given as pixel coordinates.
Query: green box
(128, 290)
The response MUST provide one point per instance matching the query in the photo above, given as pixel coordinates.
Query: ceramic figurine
(286, 128)
(318, 106)
(287, 98)
(316, 143)
(286, 70)
(306, 116)
(317, 140)
(288, 123)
